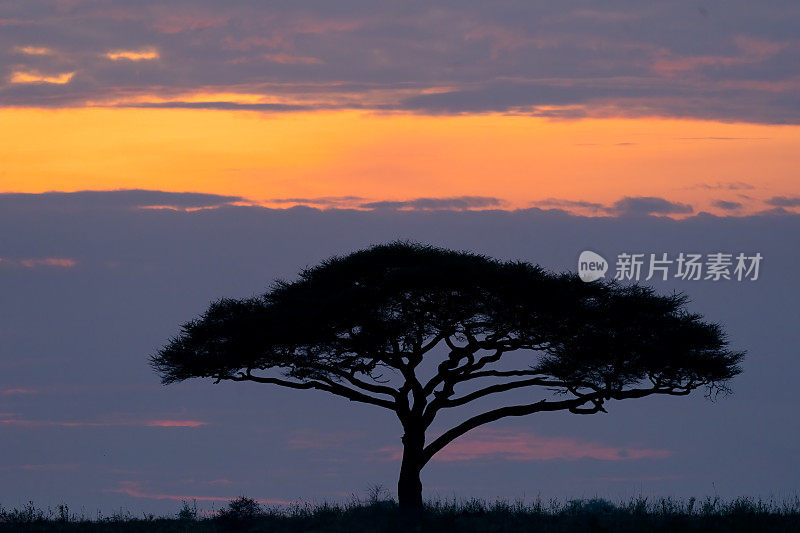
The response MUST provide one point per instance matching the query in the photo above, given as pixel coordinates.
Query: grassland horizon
(378, 511)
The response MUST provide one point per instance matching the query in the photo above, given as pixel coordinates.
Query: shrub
(242, 509)
(188, 513)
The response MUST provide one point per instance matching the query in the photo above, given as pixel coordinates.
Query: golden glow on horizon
(36, 77)
(133, 55)
(197, 97)
(519, 159)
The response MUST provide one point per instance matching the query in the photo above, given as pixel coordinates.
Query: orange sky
(396, 157)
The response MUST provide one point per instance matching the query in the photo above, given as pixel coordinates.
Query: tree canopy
(361, 325)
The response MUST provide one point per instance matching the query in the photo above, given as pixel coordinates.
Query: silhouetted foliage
(188, 513)
(360, 326)
(639, 514)
(241, 510)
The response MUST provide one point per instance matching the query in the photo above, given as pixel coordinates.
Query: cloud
(37, 77)
(639, 479)
(516, 445)
(221, 105)
(732, 186)
(529, 97)
(750, 50)
(34, 50)
(726, 205)
(221, 481)
(48, 262)
(458, 203)
(316, 440)
(142, 54)
(7, 419)
(322, 202)
(627, 206)
(775, 212)
(581, 204)
(39, 262)
(187, 21)
(604, 15)
(288, 59)
(40, 467)
(453, 203)
(134, 490)
(175, 423)
(649, 205)
(545, 59)
(723, 138)
(136, 200)
(783, 201)
(17, 391)
(116, 199)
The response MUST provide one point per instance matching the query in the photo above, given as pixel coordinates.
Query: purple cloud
(649, 205)
(783, 201)
(116, 199)
(544, 59)
(454, 203)
(726, 205)
(517, 445)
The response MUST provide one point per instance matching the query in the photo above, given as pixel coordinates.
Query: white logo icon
(591, 266)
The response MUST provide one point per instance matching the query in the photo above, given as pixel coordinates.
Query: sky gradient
(357, 159)
(517, 104)
(92, 286)
(155, 156)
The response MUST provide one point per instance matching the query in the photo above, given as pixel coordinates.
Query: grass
(379, 514)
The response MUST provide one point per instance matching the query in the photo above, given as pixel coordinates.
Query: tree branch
(450, 365)
(503, 373)
(500, 387)
(356, 382)
(425, 348)
(496, 414)
(574, 405)
(324, 385)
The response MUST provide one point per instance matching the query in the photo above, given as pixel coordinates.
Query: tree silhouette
(367, 325)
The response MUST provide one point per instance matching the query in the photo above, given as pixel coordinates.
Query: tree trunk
(409, 487)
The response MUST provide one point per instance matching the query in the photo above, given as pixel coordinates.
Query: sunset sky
(155, 156)
(490, 105)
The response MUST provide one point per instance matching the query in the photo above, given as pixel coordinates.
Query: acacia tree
(366, 327)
